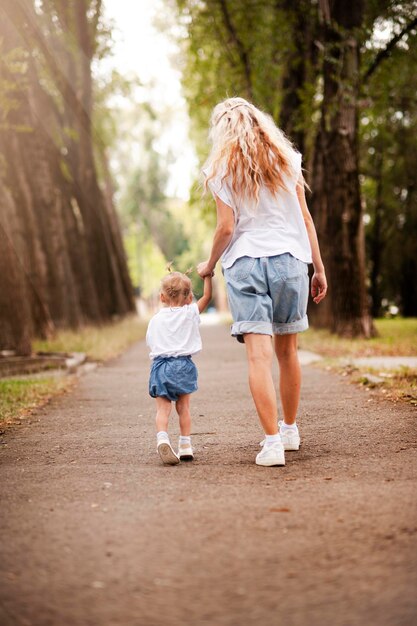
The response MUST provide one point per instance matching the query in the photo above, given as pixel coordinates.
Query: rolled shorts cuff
(243, 328)
(290, 328)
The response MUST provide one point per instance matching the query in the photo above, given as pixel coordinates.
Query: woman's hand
(318, 286)
(204, 269)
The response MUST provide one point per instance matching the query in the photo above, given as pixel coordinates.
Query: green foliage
(253, 49)
(198, 234)
(146, 262)
(13, 82)
(389, 162)
(231, 49)
(154, 234)
(145, 204)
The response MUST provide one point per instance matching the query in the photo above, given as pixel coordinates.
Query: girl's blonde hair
(248, 148)
(176, 288)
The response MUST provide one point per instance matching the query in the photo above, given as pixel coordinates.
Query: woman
(266, 238)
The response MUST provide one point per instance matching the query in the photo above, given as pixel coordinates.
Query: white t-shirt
(275, 226)
(174, 331)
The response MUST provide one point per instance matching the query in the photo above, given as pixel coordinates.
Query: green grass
(98, 342)
(18, 397)
(396, 337)
(399, 384)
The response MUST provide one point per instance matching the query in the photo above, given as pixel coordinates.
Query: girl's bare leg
(163, 410)
(259, 354)
(183, 409)
(290, 375)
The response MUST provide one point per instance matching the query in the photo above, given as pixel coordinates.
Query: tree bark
(116, 293)
(336, 201)
(65, 254)
(299, 70)
(15, 319)
(376, 243)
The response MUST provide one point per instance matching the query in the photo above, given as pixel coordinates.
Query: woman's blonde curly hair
(248, 149)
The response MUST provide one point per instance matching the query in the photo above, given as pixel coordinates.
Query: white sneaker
(167, 454)
(290, 438)
(185, 452)
(271, 455)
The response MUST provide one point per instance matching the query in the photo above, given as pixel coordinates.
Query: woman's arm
(319, 281)
(222, 236)
(203, 302)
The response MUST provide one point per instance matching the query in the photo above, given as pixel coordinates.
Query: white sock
(284, 427)
(162, 436)
(185, 440)
(271, 439)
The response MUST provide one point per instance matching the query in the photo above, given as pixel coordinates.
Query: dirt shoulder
(95, 531)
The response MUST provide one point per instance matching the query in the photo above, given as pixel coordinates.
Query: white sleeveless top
(273, 227)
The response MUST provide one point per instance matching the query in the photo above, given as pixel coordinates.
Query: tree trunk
(66, 260)
(336, 202)
(15, 319)
(116, 230)
(116, 293)
(376, 243)
(299, 70)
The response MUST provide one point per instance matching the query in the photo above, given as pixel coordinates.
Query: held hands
(318, 286)
(204, 269)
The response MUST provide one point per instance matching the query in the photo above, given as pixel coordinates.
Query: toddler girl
(173, 336)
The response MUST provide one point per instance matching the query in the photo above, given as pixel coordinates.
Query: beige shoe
(167, 454)
(185, 452)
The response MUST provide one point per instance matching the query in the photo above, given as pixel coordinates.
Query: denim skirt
(172, 377)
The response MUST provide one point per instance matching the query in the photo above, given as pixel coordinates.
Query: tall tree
(336, 201)
(67, 243)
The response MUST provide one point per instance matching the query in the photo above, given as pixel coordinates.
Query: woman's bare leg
(290, 375)
(259, 353)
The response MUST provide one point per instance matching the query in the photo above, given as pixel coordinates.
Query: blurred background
(104, 116)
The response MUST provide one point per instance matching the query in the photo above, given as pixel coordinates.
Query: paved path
(96, 532)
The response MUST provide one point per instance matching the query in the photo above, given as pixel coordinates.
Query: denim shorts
(172, 377)
(268, 295)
